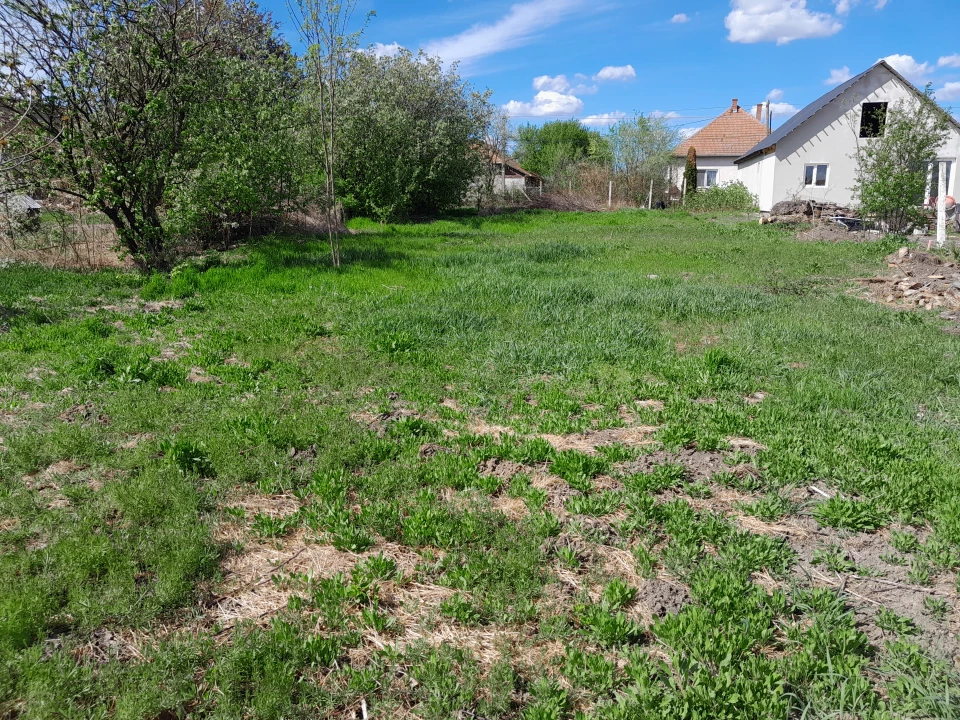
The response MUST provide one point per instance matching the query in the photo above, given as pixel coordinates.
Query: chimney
(733, 106)
(769, 119)
(760, 112)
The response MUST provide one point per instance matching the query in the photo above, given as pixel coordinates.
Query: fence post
(541, 188)
(610, 195)
(650, 198)
(942, 206)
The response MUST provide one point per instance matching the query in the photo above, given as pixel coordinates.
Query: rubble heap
(920, 280)
(807, 211)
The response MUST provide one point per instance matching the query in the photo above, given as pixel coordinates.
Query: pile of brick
(921, 280)
(808, 211)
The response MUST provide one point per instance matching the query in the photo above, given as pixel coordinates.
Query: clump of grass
(889, 621)
(846, 514)
(769, 508)
(834, 558)
(573, 465)
(189, 456)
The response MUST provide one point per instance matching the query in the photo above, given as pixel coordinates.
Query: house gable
(807, 114)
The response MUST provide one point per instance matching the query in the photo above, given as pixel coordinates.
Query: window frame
(706, 174)
(882, 129)
(816, 166)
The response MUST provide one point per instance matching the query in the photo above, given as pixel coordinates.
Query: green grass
(325, 390)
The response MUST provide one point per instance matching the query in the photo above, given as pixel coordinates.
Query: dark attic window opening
(873, 120)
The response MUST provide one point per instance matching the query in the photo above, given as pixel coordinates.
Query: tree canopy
(554, 147)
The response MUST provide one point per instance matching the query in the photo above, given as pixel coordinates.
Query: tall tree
(555, 147)
(325, 28)
(120, 85)
(410, 138)
(642, 152)
(893, 168)
(690, 171)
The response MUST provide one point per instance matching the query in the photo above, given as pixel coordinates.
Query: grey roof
(813, 108)
(20, 203)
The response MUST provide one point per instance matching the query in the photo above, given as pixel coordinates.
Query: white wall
(831, 137)
(726, 169)
(757, 174)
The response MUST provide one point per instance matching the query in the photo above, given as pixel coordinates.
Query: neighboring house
(812, 155)
(510, 177)
(718, 146)
(20, 209)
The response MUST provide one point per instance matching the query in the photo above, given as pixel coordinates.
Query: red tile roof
(730, 135)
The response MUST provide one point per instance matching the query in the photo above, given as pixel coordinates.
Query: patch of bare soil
(662, 597)
(200, 376)
(251, 594)
(919, 280)
(589, 441)
(380, 421)
(86, 413)
(874, 584)
(834, 233)
(500, 468)
(429, 450)
(700, 464)
(478, 426)
(513, 508)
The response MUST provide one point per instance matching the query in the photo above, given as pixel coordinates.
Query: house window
(935, 178)
(706, 178)
(815, 175)
(873, 119)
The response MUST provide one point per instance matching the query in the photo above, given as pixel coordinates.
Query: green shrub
(727, 197)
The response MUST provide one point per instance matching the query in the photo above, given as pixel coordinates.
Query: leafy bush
(726, 197)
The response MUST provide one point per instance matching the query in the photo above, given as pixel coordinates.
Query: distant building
(812, 155)
(718, 146)
(510, 176)
(20, 209)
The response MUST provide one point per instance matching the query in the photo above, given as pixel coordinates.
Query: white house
(811, 156)
(719, 145)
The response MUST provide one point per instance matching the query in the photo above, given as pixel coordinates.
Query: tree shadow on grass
(289, 253)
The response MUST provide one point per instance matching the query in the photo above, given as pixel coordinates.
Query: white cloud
(908, 67)
(669, 115)
(782, 109)
(616, 73)
(951, 61)
(838, 75)
(950, 91)
(782, 21)
(679, 18)
(557, 84)
(380, 50)
(562, 84)
(880, 5)
(689, 132)
(546, 103)
(843, 6)
(523, 23)
(604, 119)
(775, 95)
(779, 110)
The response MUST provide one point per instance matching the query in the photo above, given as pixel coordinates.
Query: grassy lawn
(624, 465)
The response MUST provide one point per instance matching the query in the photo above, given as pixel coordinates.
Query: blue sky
(599, 60)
